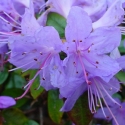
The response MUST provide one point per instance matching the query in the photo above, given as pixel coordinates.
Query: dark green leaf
(14, 116)
(80, 114)
(15, 81)
(58, 22)
(121, 47)
(31, 122)
(3, 75)
(35, 89)
(54, 105)
(121, 76)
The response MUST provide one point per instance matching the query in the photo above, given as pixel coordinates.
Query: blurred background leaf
(80, 114)
(58, 22)
(54, 105)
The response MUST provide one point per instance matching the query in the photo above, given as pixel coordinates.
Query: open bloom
(6, 101)
(37, 47)
(87, 65)
(90, 47)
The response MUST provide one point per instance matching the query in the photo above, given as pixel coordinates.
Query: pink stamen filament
(92, 100)
(31, 81)
(109, 95)
(20, 66)
(11, 18)
(83, 68)
(100, 102)
(107, 105)
(13, 25)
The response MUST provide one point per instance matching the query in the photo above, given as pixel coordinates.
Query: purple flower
(6, 101)
(112, 17)
(87, 65)
(117, 116)
(37, 48)
(90, 47)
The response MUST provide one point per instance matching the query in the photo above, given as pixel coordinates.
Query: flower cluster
(92, 36)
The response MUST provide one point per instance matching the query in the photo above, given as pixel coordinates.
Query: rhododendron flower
(90, 47)
(6, 101)
(87, 65)
(38, 48)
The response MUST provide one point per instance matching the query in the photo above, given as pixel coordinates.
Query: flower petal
(6, 101)
(78, 27)
(112, 17)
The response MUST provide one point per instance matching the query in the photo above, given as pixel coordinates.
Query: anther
(88, 50)
(41, 53)
(97, 62)
(110, 89)
(80, 41)
(35, 59)
(74, 41)
(89, 82)
(23, 53)
(87, 74)
(43, 78)
(107, 117)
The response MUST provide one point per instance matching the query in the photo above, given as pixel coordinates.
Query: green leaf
(15, 81)
(35, 89)
(15, 92)
(80, 114)
(121, 76)
(121, 47)
(3, 76)
(54, 105)
(58, 22)
(31, 122)
(14, 116)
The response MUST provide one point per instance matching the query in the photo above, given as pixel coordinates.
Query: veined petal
(112, 17)
(57, 72)
(104, 39)
(121, 61)
(78, 27)
(70, 101)
(29, 24)
(60, 6)
(100, 65)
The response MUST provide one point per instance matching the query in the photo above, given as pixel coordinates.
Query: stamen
(100, 102)
(83, 69)
(92, 100)
(107, 105)
(109, 95)
(13, 25)
(89, 99)
(20, 66)
(11, 18)
(32, 80)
